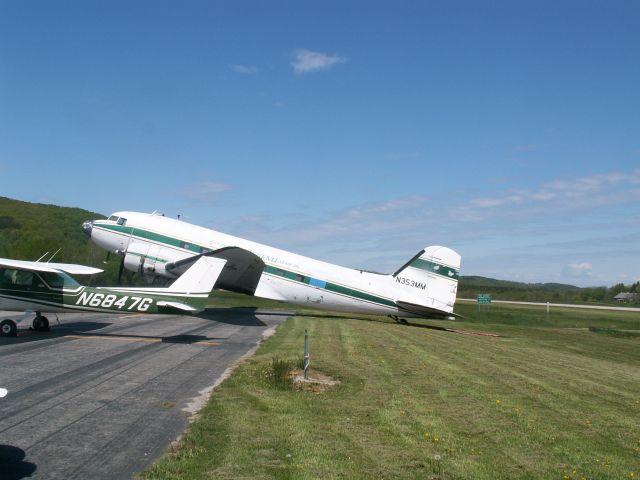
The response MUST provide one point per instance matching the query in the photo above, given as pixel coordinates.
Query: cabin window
(5, 276)
(17, 278)
(122, 221)
(113, 218)
(299, 278)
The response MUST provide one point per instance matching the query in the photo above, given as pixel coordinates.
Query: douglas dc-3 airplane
(155, 245)
(47, 287)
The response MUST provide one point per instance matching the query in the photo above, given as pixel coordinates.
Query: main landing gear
(399, 320)
(9, 328)
(40, 323)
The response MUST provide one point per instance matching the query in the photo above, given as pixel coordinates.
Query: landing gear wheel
(399, 320)
(8, 328)
(41, 324)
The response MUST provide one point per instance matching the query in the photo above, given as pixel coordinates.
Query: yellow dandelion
(498, 402)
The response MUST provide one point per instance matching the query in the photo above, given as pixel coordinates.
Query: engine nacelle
(148, 260)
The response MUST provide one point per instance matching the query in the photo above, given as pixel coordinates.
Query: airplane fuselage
(152, 244)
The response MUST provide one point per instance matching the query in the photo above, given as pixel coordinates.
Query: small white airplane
(36, 287)
(155, 245)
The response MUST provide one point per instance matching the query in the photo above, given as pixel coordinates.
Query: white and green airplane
(155, 245)
(36, 287)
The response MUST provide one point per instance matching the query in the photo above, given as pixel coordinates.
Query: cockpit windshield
(117, 219)
(58, 280)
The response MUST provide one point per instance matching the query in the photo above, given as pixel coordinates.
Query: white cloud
(579, 194)
(207, 190)
(578, 270)
(306, 61)
(244, 69)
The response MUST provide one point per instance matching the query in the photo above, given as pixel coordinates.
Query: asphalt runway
(103, 396)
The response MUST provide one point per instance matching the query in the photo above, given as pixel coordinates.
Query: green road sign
(484, 299)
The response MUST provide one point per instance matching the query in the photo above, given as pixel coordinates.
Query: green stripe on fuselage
(437, 268)
(331, 287)
(155, 237)
(280, 272)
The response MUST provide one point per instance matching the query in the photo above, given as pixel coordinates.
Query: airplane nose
(87, 227)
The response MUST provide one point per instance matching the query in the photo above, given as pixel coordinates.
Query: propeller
(120, 271)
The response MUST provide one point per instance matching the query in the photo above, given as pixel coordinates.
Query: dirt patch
(316, 382)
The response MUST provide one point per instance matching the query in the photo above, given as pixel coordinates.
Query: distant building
(625, 297)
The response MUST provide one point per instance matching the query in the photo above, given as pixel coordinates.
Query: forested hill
(29, 230)
(471, 286)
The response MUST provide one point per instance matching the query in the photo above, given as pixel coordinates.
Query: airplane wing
(241, 273)
(73, 269)
(49, 267)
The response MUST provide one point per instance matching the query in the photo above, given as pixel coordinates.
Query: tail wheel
(8, 328)
(41, 324)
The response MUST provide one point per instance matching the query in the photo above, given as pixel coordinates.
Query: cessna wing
(69, 268)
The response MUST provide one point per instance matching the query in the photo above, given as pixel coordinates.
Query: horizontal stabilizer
(424, 312)
(177, 306)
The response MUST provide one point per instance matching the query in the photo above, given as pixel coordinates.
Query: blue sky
(353, 132)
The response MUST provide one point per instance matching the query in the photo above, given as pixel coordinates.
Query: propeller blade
(120, 271)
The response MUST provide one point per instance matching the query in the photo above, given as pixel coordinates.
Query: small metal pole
(306, 354)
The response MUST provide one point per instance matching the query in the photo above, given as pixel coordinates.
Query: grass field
(548, 399)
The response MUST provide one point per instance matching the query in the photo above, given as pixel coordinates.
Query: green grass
(548, 399)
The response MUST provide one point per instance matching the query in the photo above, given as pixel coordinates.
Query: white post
(306, 354)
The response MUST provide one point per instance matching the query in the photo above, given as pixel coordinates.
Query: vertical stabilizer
(429, 279)
(200, 277)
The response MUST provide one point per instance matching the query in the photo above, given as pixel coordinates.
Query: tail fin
(428, 283)
(190, 292)
(200, 277)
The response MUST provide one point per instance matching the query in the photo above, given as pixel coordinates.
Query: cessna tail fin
(200, 277)
(427, 284)
(191, 290)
